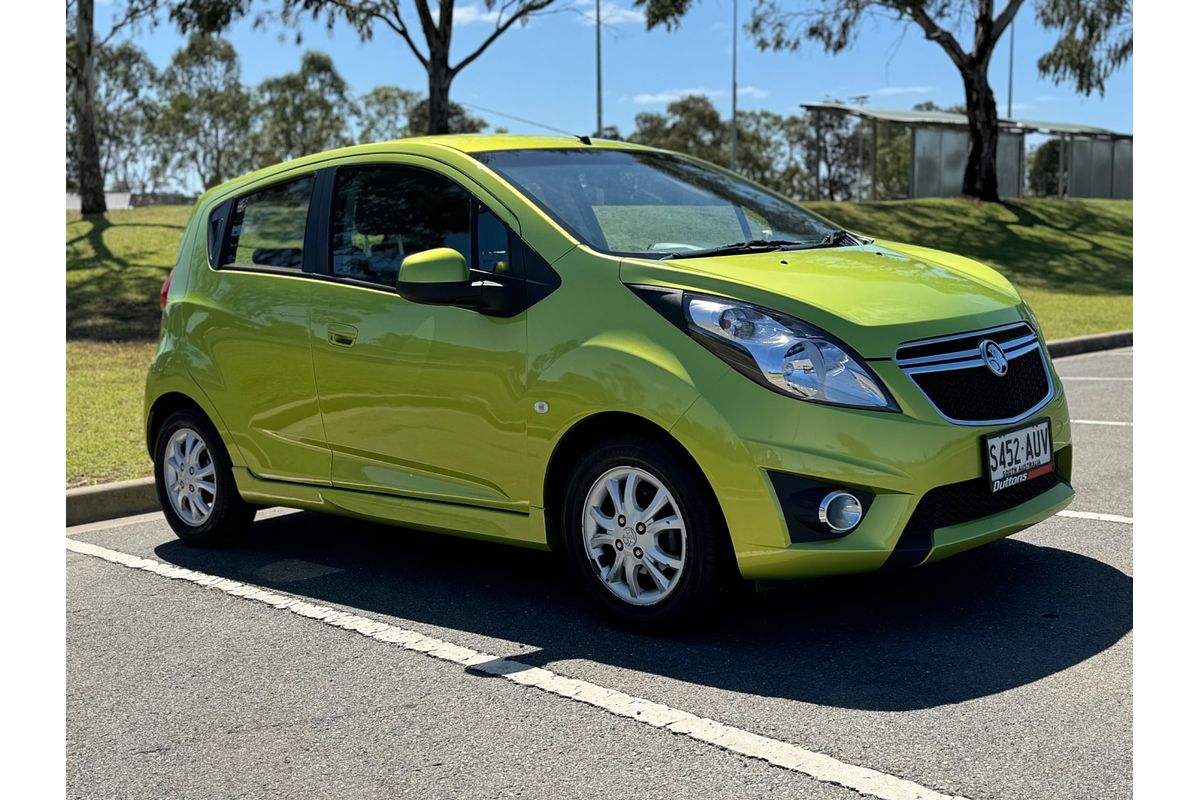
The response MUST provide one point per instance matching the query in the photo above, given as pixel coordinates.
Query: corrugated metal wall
(1100, 168)
(940, 158)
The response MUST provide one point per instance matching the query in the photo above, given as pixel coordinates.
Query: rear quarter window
(266, 228)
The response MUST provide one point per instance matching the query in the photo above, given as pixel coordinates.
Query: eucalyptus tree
(83, 48)
(207, 115)
(382, 114)
(302, 112)
(435, 26)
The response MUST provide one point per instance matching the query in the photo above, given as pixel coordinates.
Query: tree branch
(936, 33)
(1005, 18)
(398, 25)
(527, 8)
(134, 13)
(427, 24)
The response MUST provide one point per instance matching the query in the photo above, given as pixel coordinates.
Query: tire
(700, 545)
(203, 507)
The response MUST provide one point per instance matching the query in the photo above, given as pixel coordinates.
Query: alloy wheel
(190, 477)
(634, 535)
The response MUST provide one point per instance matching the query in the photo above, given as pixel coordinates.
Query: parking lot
(453, 668)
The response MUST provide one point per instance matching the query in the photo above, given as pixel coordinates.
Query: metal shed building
(1095, 162)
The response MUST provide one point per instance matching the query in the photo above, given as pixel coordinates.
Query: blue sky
(545, 71)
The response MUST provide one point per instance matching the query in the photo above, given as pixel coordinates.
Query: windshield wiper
(751, 246)
(840, 238)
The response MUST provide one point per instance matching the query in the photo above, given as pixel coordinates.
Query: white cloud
(472, 14)
(611, 13)
(894, 91)
(671, 95)
(1045, 98)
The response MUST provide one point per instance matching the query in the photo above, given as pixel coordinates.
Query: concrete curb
(111, 500)
(1089, 344)
(126, 498)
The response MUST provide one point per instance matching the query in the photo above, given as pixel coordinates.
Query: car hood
(873, 297)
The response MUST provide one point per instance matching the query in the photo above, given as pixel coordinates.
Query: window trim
(529, 267)
(324, 268)
(223, 213)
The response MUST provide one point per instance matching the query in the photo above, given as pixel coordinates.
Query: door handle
(342, 335)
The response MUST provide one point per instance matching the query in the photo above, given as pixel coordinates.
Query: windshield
(631, 202)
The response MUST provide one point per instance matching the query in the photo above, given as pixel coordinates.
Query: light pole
(1012, 36)
(599, 96)
(733, 121)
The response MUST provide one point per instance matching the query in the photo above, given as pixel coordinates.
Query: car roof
(483, 142)
(465, 143)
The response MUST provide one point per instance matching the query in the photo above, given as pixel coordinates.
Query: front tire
(644, 535)
(194, 479)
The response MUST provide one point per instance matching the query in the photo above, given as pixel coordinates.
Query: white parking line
(1096, 516)
(1101, 422)
(774, 751)
(1084, 378)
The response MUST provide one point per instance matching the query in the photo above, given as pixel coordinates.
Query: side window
(382, 214)
(491, 243)
(266, 228)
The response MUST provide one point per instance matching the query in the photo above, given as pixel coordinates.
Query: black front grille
(974, 394)
(956, 503)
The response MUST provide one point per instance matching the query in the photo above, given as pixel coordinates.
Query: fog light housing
(840, 511)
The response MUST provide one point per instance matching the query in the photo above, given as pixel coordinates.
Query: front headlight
(783, 353)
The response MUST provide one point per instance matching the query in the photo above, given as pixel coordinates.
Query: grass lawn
(104, 411)
(1072, 260)
(115, 267)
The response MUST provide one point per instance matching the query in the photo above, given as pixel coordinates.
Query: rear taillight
(162, 296)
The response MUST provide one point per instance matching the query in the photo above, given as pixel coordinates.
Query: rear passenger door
(418, 400)
(249, 316)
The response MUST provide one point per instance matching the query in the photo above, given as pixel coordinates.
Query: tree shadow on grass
(984, 622)
(112, 293)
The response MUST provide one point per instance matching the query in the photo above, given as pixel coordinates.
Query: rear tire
(194, 479)
(652, 555)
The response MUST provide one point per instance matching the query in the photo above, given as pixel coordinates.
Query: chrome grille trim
(972, 359)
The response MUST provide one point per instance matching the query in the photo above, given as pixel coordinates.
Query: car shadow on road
(983, 622)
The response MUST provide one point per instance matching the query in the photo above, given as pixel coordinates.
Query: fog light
(840, 511)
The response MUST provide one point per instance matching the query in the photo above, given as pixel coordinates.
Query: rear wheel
(194, 479)
(644, 535)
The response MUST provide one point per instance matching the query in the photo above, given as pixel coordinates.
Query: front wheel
(194, 479)
(644, 534)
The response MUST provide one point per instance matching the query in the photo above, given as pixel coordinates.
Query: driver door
(417, 400)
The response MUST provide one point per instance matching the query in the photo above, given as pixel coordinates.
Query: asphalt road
(1001, 673)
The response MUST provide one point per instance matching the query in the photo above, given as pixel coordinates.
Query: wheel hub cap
(190, 477)
(634, 535)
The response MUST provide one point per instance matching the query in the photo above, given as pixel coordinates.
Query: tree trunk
(87, 149)
(979, 179)
(439, 97)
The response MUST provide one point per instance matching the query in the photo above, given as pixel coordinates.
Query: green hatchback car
(664, 372)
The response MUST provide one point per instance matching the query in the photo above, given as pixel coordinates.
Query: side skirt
(527, 530)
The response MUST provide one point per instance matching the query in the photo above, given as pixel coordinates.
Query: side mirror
(438, 277)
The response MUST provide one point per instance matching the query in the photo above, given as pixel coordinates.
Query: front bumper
(742, 434)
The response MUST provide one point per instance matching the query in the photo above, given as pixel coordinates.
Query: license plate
(1014, 456)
